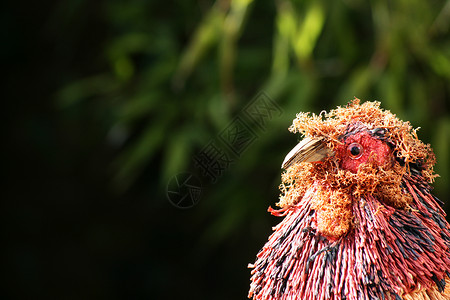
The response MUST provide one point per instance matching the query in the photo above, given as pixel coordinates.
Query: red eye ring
(355, 150)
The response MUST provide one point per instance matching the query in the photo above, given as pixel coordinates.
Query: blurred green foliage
(140, 87)
(175, 79)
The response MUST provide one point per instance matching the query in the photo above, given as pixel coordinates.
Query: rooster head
(349, 153)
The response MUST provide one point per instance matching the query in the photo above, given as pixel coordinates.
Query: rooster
(360, 221)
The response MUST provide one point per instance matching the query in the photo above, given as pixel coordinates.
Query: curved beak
(308, 150)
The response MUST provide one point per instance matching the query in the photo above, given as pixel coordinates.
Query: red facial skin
(373, 150)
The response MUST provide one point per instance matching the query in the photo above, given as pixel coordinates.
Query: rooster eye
(355, 150)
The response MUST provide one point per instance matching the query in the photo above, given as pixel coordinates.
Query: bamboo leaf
(206, 35)
(309, 31)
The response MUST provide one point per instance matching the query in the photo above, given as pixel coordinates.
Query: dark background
(106, 101)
